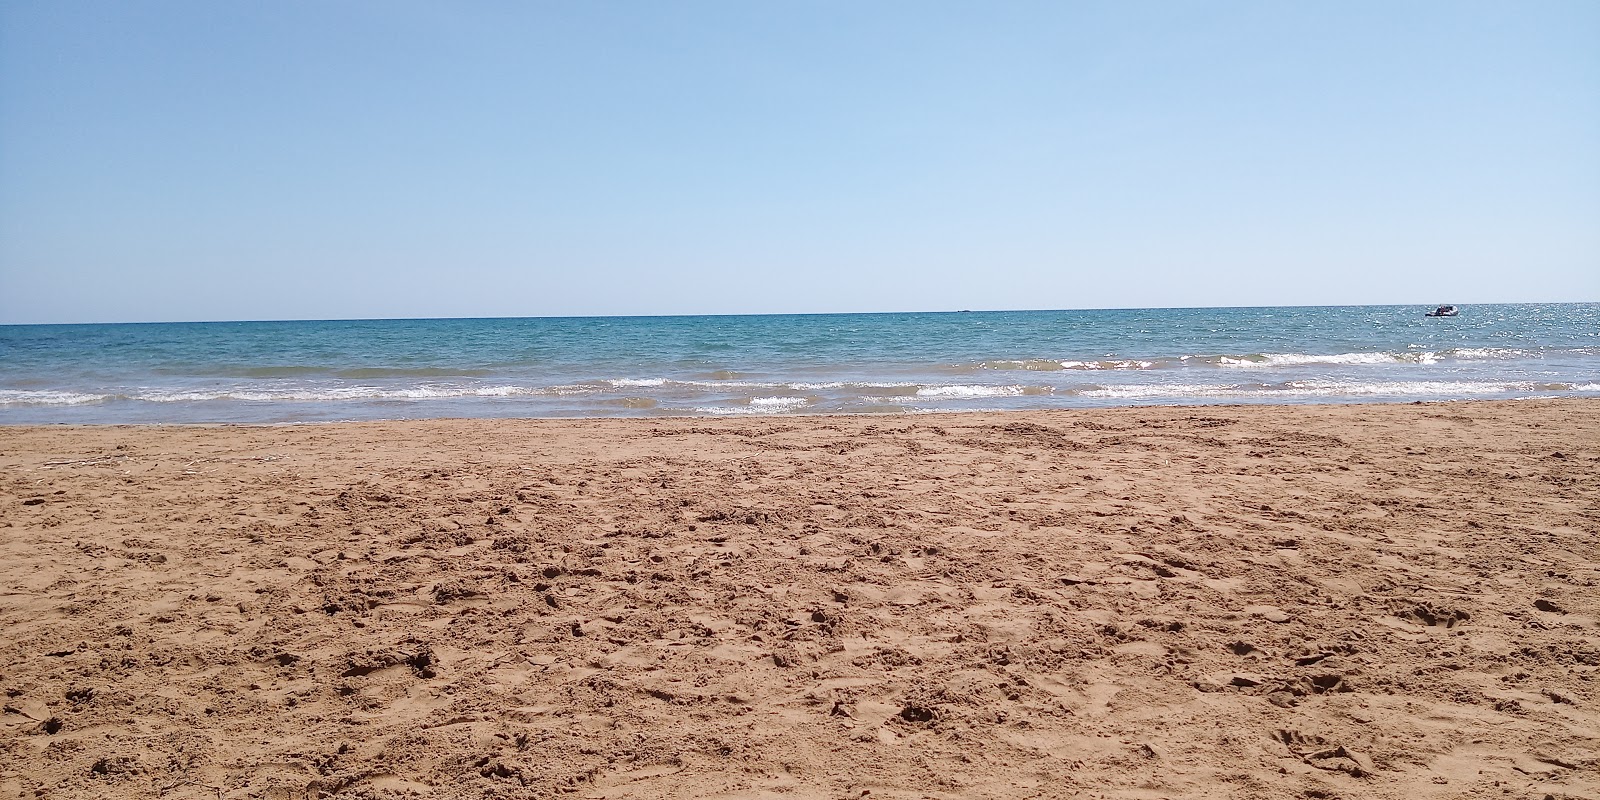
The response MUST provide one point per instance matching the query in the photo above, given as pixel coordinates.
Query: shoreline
(755, 417)
(1347, 599)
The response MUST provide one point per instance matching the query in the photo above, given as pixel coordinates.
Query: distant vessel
(1443, 311)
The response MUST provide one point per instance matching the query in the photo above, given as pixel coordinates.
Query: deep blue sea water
(789, 364)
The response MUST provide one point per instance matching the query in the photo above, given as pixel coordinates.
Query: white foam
(1348, 359)
(1140, 391)
(729, 411)
(435, 391)
(802, 387)
(24, 397)
(347, 393)
(1407, 388)
(1326, 389)
(647, 383)
(1485, 353)
(779, 402)
(970, 391)
(1046, 365)
(1113, 365)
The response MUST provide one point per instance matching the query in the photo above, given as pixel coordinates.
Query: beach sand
(1385, 601)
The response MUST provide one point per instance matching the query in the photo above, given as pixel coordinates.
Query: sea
(775, 365)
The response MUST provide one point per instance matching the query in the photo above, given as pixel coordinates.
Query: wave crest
(24, 397)
(970, 390)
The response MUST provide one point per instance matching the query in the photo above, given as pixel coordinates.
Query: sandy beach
(1358, 601)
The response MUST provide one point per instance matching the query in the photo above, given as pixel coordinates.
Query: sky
(195, 160)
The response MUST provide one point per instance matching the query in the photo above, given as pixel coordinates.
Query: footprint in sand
(1434, 617)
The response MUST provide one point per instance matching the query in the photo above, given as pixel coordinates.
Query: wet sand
(1385, 601)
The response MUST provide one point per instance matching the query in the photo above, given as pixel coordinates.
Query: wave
(779, 402)
(24, 397)
(962, 391)
(336, 393)
(1331, 389)
(410, 372)
(757, 405)
(779, 396)
(731, 411)
(1247, 360)
(20, 397)
(311, 394)
(1372, 358)
(1494, 353)
(1147, 391)
(1299, 359)
(357, 373)
(1053, 365)
(798, 386)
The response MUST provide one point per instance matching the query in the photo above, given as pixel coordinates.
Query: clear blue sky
(178, 160)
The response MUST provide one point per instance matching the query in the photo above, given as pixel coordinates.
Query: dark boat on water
(1443, 311)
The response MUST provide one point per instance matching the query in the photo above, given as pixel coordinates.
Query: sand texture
(1376, 601)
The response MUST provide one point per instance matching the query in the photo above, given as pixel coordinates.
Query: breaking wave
(348, 393)
(891, 363)
(1347, 359)
(1331, 389)
(970, 391)
(1417, 356)
(1367, 358)
(1053, 365)
(356, 373)
(23, 397)
(779, 402)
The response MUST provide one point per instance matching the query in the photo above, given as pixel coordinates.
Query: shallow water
(786, 364)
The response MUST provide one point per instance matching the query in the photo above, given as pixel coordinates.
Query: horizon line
(774, 314)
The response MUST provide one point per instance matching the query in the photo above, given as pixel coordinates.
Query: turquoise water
(788, 364)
